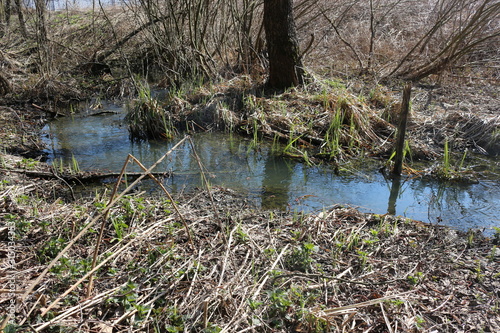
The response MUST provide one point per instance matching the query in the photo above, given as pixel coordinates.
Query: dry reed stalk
(97, 299)
(94, 220)
(257, 290)
(193, 280)
(328, 313)
(147, 172)
(172, 201)
(103, 225)
(386, 319)
(205, 182)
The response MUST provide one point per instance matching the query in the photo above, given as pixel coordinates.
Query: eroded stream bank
(102, 143)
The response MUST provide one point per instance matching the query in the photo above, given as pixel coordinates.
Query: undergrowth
(267, 271)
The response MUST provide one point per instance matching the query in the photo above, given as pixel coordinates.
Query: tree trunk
(400, 140)
(41, 37)
(5, 17)
(20, 16)
(40, 21)
(285, 67)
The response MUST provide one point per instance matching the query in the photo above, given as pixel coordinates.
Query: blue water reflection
(102, 143)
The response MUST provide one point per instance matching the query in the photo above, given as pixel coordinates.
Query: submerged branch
(85, 177)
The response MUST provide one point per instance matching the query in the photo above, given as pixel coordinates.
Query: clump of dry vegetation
(147, 118)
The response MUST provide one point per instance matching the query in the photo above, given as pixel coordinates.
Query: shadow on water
(276, 183)
(102, 143)
(394, 193)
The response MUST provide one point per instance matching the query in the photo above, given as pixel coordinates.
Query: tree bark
(285, 67)
(40, 21)
(5, 17)
(20, 16)
(41, 37)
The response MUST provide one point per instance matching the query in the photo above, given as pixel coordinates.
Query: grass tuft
(146, 117)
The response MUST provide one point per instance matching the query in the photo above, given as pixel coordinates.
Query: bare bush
(198, 38)
(458, 29)
(408, 39)
(174, 40)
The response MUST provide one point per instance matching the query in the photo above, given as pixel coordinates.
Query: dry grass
(245, 270)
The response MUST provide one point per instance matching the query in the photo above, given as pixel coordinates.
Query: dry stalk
(147, 172)
(172, 201)
(386, 319)
(328, 313)
(103, 225)
(205, 181)
(193, 280)
(226, 256)
(73, 310)
(266, 276)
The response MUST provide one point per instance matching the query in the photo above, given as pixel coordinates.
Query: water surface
(102, 143)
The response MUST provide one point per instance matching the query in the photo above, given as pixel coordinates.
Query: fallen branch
(84, 176)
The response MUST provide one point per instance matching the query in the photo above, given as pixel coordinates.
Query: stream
(101, 143)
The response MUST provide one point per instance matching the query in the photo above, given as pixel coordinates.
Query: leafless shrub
(197, 38)
(408, 39)
(175, 40)
(459, 28)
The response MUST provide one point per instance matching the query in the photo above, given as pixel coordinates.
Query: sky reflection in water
(102, 143)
